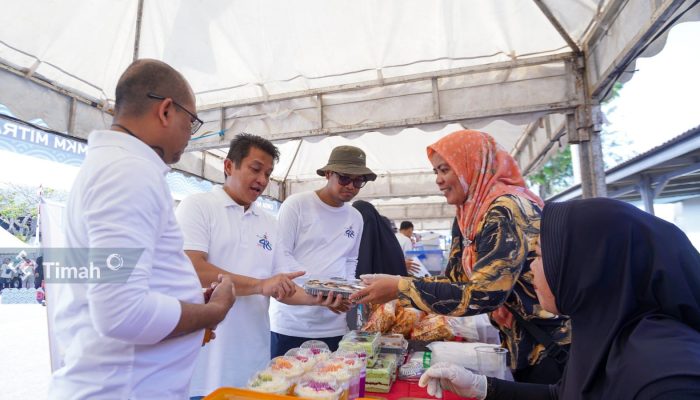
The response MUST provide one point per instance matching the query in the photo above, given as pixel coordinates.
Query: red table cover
(402, 389)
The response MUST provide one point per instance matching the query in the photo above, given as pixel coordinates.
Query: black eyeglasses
(345, 180)
(195, 121)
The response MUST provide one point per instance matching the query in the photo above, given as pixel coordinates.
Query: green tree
(557, 173)
(617, 146)
(19, 207)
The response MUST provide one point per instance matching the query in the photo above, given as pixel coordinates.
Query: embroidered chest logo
(349, 232)
(264, 242)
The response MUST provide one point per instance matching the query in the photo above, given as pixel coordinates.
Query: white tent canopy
(8, 240)
(388, 76)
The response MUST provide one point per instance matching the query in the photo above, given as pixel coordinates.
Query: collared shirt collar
(227, 201)
(107, 138)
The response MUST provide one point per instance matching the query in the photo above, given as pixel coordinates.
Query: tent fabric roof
(233, 50)
(8, 240)
(391, 76)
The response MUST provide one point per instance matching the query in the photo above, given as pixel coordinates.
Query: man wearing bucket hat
(319, 232)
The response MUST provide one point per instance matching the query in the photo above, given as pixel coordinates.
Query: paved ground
(24, 352)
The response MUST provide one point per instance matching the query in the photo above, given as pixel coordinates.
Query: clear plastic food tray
(335, 285)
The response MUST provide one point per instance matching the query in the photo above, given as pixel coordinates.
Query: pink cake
(314, 389)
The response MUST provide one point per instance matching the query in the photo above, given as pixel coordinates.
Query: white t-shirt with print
(324, 241)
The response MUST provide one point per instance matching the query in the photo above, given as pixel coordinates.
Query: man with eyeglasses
(320, 232)
(137, 338)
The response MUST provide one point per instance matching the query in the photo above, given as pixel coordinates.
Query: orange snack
(407, 318)
(382, 319)
(432, 328)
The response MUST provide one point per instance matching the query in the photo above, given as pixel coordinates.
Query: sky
(661, 100)
(32, 171)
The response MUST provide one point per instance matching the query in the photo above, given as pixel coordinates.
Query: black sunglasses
(345, 180)
(196, 122)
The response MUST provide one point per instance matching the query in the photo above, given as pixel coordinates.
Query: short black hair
(241, 144)
(148, 76)
(406, 225)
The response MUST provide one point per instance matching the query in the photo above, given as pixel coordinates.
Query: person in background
(5, 273)
(39, 272)
(136, 339)
(227, 233)
(319, 232)
(498, 219)
(404, 236)
(631, 284)
(28, 268)
(380, 252)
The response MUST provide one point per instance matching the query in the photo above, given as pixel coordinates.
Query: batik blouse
(505, 247)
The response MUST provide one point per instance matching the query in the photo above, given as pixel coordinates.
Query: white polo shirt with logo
(111, 337)
(324, 241)
(242, 242)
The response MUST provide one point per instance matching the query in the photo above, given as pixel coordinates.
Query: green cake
(364, 342)
(381, 376)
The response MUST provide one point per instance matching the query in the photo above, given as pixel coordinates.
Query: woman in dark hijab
(380, 252)
(631, 284)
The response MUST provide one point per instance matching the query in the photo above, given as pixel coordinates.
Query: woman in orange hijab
(498, 221)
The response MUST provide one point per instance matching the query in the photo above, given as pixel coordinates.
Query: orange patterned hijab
(488, 172)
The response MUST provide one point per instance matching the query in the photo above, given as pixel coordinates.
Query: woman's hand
(412, 266)
(455, 379)
(380, 289)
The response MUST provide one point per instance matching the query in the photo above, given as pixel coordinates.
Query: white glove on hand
(455, 379)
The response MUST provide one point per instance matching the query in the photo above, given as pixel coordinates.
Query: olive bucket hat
(348, 160)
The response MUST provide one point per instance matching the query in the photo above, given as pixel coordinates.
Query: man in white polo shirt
(320, 233)
(227, 233)
(136, 339)
(404, 236)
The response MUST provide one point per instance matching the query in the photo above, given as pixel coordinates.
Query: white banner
(51, 227)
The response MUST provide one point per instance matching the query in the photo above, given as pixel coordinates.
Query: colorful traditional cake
(269, 382)
(393, 343)
(355, 364)
(289, 367)
(306, 357)
(316, 346)
(357, 341)
(315, 389)
(381, 376)
(333, 370)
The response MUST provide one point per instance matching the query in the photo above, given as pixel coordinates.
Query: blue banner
(25, 139)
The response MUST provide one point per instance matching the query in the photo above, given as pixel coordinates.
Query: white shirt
(111, 335)
(405, 242)
(241, 242)
(324, 241)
